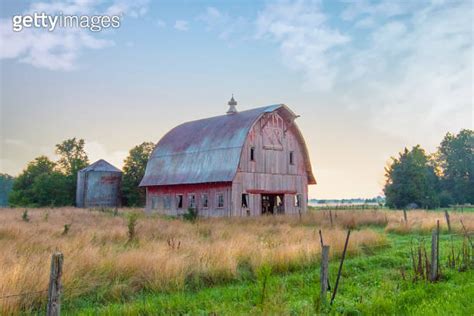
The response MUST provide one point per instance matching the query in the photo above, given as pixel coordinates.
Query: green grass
(371, 284)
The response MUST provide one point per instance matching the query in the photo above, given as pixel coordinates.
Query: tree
(23, 192)
(49, 189)
(411, 179)
(6, 184)
(455, 161)
(133, 172)
(72, 158)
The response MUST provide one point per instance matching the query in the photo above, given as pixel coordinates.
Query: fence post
(54, 290)
(434, 256)
(446, 214)
(437, 248)
(324, 273)
(340, 267)
(322, 246)
(330, 217)
(405, 216)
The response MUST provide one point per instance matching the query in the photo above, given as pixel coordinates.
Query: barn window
(167, 202)
(205, 200)
(245, 200)
(252, 153)
(179, 201)
(220, 200)
(191, 201)
(291, 158)
(298, 199)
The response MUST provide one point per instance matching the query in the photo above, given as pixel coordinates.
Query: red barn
(243, 163)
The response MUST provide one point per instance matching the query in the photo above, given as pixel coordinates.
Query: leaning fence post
(405, 216)
(54, 290)
(434, 256)
(324, 273)
(446, 214)
(340, 267)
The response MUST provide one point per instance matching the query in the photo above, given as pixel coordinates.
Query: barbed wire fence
(432, 272)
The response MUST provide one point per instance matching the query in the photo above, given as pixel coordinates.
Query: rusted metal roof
(100, 165)
(207, 150)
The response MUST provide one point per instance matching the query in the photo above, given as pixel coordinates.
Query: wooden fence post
(437, 249)
(324, 273)
(322, 246)
(54, 290)
(340, 267)
(330, 217)
(446, 214)
(434, 256)
(405, 216)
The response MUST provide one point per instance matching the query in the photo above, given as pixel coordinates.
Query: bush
(25, 216)
(132, 219)
(191, 215)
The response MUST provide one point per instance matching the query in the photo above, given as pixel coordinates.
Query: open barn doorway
(273, 204)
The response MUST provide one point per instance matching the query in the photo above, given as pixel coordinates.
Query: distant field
(174, 266)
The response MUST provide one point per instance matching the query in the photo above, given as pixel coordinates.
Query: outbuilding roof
(100, 165)
(208, 150)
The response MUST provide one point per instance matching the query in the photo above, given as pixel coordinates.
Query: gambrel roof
(209, 150)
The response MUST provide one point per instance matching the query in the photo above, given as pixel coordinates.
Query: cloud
(411, 69)
(307, 42)
(60, 49)
(227, 27)
(95, 151)
(181, 25)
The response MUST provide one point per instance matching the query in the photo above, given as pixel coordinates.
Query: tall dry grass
(425, 221)
(168, 254)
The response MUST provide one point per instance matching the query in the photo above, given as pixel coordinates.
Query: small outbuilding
(98, 185)
(245, 163)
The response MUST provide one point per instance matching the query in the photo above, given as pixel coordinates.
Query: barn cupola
(232, 103)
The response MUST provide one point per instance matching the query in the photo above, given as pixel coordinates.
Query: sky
(367, 77)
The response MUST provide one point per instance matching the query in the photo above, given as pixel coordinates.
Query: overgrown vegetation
(377, 283)
(417, 180)
(254, 255)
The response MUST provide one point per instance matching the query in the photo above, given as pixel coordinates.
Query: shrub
(25, 217)
(132, 219)
(191, 215)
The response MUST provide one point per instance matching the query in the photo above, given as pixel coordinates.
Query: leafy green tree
(72, 158)
(49, 189)
(6, 184)
(411, 178)
(133, 172)
(23, 192)
(455, 161)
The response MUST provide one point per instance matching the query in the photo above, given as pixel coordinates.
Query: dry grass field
(173, 254)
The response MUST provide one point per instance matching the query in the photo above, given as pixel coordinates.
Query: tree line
(53, 183)
(416, 179)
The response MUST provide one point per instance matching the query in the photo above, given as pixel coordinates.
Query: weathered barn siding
(98, 185)
(214, 156)
(156, 199)
(271, 172)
